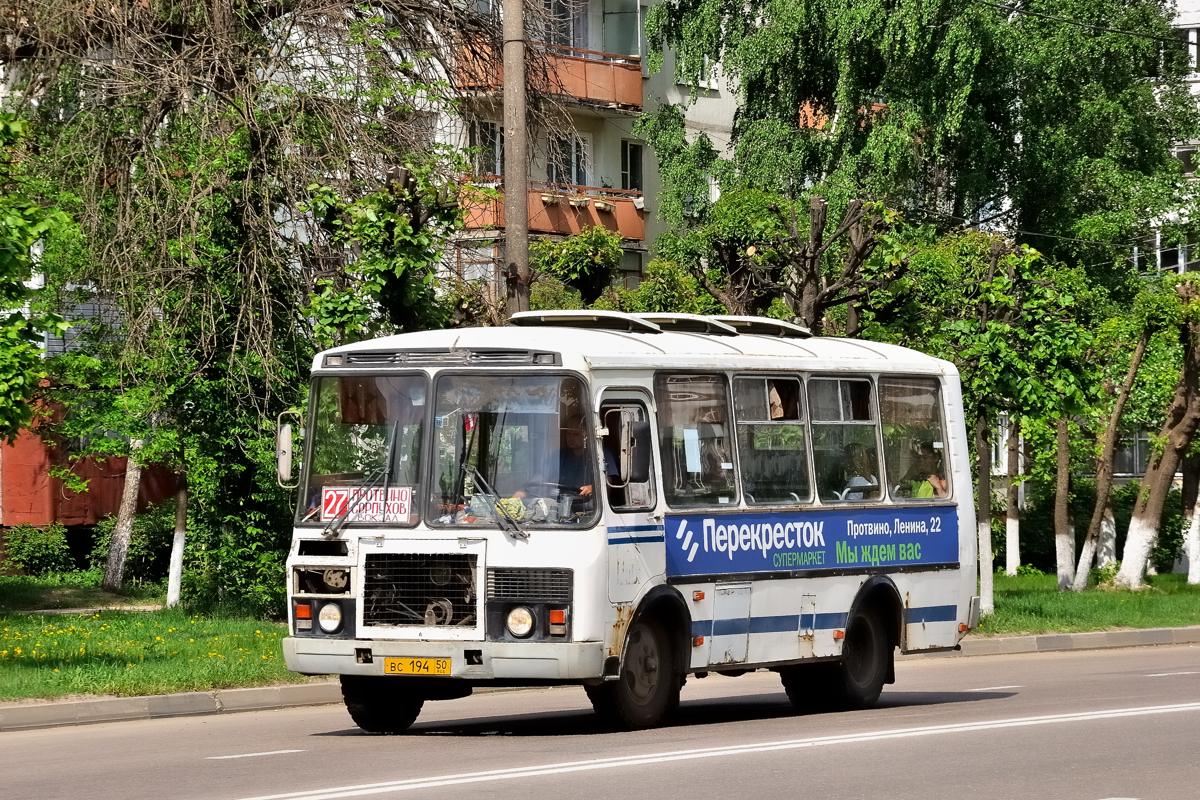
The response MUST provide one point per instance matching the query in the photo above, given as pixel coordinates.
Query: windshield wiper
(507, 523)
(384, 473)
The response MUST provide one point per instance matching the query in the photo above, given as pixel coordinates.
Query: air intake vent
(419, 589)
(434, 358)
(546, 585)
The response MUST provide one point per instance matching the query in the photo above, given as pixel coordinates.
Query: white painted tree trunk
(1138, 544)
(987, 602)
(118, 548)
(175, 574)
(1012, 514)
(1012, 544)
(1086, 554)
(1191, 546)
(1064, 556)
(1106, 549)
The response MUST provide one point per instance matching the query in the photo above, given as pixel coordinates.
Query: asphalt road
(1085, 726)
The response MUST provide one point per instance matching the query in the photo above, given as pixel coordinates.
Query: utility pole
(516, 160)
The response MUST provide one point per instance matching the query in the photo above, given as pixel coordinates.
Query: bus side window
(694, 440)
(913, 443)
(845, 453)
(772, 450)
(623, 496)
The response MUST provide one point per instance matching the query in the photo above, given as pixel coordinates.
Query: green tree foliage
(665, 287)
(586, 262)
(23, 223)
(951, 112)
(251, 181)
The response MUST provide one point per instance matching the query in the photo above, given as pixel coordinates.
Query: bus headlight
(330, 617)
(520, 622)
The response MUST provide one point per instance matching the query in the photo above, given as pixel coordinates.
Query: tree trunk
(118, 548)
(1191, 482)
(175, 573)
(1064, 534)
(1191, 546)
(1106, 547)
(1012, 515)
(1104, 467)
(1177, 433)
(983, 523)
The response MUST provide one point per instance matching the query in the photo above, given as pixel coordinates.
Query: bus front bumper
(484, 661)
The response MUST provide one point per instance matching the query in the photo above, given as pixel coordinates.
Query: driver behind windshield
(574, 482)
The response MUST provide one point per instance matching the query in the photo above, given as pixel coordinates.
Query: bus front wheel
(647, 690)
(380, 705)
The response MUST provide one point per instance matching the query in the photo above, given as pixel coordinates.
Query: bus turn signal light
(697, 641)
(558, 616)
(697, 597)
(839, 635)
(304, 616)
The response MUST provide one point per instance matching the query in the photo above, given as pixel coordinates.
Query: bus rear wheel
(866, 658)
(380, 705)
(854, 682)
(647, 690)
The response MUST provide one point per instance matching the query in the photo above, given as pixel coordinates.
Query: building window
(1132, 455)
(567, 23)
(486, 140)
(569, 159)
(477, 262)
(631, 165)
(1191, 43)
(705, 75)
(629, 275)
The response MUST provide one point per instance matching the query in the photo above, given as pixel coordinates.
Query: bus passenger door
(635, 539)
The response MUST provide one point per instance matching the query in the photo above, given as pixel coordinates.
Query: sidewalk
(47, 714)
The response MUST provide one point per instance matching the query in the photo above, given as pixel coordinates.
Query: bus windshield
(512, 449)
(365, 459)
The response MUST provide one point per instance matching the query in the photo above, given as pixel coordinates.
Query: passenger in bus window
(861, 482)
(925, 476)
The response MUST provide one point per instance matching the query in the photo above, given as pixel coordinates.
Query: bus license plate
(416, 666)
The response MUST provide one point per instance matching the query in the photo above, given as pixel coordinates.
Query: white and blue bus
(623, 501)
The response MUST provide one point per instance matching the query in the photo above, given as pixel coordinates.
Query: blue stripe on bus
(623, 534)
(931, 614)
(788, 623)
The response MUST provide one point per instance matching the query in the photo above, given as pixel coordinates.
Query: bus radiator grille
(419, 589)
(546, 585)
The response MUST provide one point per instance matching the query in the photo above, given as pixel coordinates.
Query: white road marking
(993, 688)
(565, 767)
(252, 755)
(1168, 675)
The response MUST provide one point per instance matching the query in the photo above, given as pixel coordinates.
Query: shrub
(37, 551)
(149, 552)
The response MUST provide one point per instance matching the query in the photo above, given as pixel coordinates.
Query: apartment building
(598, 172)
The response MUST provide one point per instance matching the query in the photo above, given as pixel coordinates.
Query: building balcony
(563, 210)
(593, 77)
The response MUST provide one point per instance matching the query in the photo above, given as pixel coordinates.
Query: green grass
(1028, 604)
(135, 653)
(69, 590)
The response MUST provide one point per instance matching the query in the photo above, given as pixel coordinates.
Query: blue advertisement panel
(791, 541)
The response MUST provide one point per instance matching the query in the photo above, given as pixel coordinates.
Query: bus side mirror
(635, 448)
(284, 448)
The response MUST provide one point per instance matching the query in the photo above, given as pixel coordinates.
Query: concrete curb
(27, 716)
(1096, 640)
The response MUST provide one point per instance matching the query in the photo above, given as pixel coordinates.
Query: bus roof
(612, 340)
